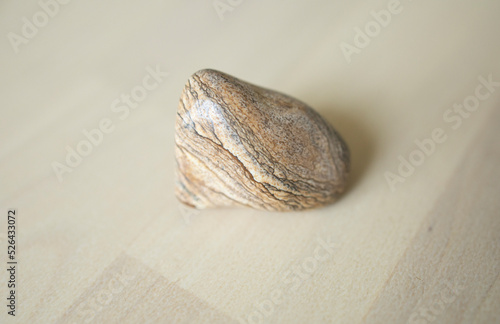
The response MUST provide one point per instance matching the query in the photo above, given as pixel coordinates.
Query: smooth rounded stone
(238, 144)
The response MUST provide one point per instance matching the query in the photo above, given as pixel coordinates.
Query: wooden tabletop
(89, 93)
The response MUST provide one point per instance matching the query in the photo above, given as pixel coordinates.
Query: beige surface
(109, 243)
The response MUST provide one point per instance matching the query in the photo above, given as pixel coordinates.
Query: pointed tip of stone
(208, 77)
(208, 74)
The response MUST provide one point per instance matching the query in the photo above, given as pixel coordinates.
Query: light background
(110, 243)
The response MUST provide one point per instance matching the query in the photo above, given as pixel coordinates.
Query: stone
(238, 144)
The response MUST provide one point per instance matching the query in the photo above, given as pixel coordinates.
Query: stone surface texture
(238, 144)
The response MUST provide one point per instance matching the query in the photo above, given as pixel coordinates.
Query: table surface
(412, 86)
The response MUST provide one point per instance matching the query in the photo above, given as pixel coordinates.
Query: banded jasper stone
(238, 144)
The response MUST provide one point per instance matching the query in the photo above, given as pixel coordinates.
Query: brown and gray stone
(238, 144)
